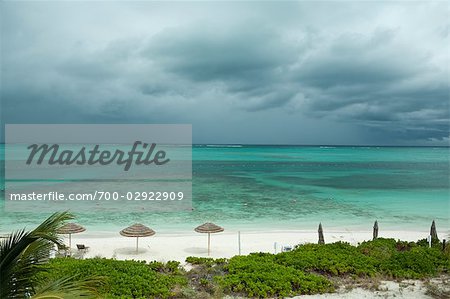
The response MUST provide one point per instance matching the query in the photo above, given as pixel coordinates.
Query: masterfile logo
(146, 167)
(146, 156)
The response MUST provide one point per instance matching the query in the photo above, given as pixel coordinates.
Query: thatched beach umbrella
(375, 230)
(321, 239)
(433, 232)
(137, 231)
(69, 229)
(209, 228)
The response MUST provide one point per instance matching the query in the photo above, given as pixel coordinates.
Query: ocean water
(295, 188)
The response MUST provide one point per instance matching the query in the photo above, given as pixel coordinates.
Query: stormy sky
(240, 72)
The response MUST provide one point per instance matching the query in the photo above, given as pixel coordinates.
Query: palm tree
(25, 253)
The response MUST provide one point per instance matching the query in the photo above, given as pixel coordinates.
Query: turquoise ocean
(295, 188)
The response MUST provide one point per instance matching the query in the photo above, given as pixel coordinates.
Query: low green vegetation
(308, 269)
(399, 259)
(122, 279)
(314, 268)
(207, 261)
(259, 275)
(329, 259)
(27, 271)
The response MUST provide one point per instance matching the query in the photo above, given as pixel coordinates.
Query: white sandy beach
(405, 289)
(178, 246)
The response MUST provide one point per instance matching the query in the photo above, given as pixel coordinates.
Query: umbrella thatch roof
(70, 228)
(137, 230)
(209, 227)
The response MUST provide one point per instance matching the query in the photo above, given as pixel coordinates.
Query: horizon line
(314, 145)
(305, 145)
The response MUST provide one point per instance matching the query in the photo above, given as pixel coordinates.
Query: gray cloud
(299, 72)
(235, 54)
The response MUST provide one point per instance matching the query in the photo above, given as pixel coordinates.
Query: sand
(388, 289)
(177, 246)
(165, 246)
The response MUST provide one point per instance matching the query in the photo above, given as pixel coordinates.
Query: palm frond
(22, 252)
(32, 261)
(11, 249)
(47, 230)
(69, 288)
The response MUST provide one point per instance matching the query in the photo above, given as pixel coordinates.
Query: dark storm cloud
(351, 65)
(235, 54)
(356, 77)
(374, 70)
(247, 60)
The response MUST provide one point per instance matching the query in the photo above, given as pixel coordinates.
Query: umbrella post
(239, 241)
(137, 231)
(70, 244)
(209, 228)
(209, 243)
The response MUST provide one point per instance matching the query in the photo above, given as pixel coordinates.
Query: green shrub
(123, 279)
(301, 271)
(434, 243)
(331, 259)
(170, 267)
(400, 259)
(378, 248)
(419, 262)
(257, 275)
(207, 261)
(382, 249)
